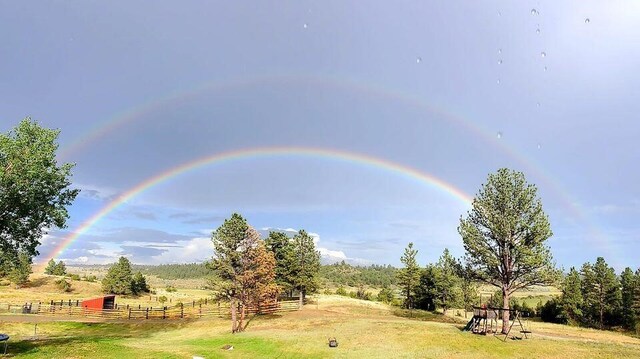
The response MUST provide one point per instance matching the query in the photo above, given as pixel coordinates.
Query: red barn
(106, 302)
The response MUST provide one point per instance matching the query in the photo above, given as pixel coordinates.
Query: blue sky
(453, 89)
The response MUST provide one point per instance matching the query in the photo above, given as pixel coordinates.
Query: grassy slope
(363, 329)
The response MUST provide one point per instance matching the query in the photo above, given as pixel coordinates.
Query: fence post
(181, 311)
(147, 315)
(138, 306)
(205, 301)
(129, 313)
(164, 312)
(77, 303)
(200, 311)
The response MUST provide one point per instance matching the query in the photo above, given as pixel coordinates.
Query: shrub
(63, 285)
(162, 299)
(341, 291)
(171, 289)
(552, 312)
(74, 277)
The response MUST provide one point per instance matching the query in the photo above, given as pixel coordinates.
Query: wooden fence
(180, 311)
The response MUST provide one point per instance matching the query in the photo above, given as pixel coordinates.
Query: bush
(162, 299)
(327, 291)
(341, 291)
(385, 295)
(91, 278)
(552, 312)
(74, 277)
(63, 285)
(171, 289)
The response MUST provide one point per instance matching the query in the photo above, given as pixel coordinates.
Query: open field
(363, 329)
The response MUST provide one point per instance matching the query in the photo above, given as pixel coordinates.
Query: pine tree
(283, 251)
(227, 262)
(51, 267)
(60, 269)
(504, 237)
(448, 284)
(306, 264)
(139, 284)
(601, 292)
(468, 287)
(572, 296)
(628, 284)
(119, 278)
(409, 276)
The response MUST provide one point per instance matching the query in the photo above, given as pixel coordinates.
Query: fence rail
(129, 312)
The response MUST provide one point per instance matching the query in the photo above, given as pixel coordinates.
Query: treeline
(353, 276)
(595, 296)
(175, 271)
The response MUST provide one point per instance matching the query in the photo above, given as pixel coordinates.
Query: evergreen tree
(385, 295)
(628, 284)
(636, 300)
(119, 278)
(283, 251)
(60, 269)
(447, 282)
(306, 264)
(572, 296)
(504, 236)
(227, 262)
(139, 284)
(51, 267)
(468, 288)
(601, 292)
(425, 291)
(409, 276)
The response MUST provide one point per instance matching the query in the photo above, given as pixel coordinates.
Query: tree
(468, 288)
(227, 262)
(504, 236)
(425, 291)
(306, 264)
(385, 295)
(447, 282)
(601, 292)
(19, 274)
(139, 284)
(628, 288)
(51, 267)
(34, 190)
(60, 269)
(119, 278)
(572, 296)
(409, 276)
(282, 248)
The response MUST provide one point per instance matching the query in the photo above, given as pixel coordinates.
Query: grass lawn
(363, 329)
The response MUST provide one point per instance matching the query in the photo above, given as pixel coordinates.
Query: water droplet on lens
(545, 69)
(539, 146)
(498, 81)
(499, 51)
(500, 62)
(537, 104)
(418, 60)
(305, 25)
(499, 135)
(537, 31)
(499, 13)
(543, 54)
(534, 12)
(586, 21)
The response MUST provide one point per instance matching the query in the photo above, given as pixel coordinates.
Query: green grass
(363, 330)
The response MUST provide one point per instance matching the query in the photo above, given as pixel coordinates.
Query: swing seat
(525, 331)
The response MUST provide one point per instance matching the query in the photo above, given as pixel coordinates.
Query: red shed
(106, 302)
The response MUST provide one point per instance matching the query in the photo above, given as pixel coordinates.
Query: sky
(387, 118)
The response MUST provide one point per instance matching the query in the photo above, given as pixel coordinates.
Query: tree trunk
(505, 313)
(300, 300)
(242, 316)
(233, 315)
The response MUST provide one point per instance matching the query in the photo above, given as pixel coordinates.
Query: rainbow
(146, 109)
(261, 152)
